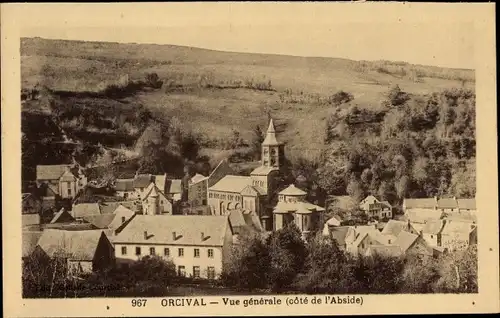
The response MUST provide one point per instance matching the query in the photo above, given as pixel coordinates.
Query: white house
(154, 201)
(197, 245)
(63, 180)
(125, 188)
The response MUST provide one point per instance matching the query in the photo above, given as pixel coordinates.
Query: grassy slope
(79, 66)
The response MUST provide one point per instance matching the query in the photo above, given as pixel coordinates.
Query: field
(298, 98)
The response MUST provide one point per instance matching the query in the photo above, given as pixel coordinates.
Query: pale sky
(360, 31)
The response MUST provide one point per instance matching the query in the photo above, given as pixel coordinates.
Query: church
(251, 193)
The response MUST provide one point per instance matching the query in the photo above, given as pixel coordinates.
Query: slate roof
(160, 181)
(422, 215)
(236, 219)
(110, 207)
(339, 234)
(101, 221)
(124, 185)
(188, 229)
(447, 203)
(142, 180)
(301, 207)
(456, 226)
(75, 226)
(77, 245)
(433, 226)
(85, 209)
(467, 204)
(405, 240)
(292, 190)
(29, 241)
(394, 227)
(231, 183)
(50, 172)
(425, 203)
(263, 170)
(270, 139)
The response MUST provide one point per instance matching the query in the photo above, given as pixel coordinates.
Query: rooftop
(292, 190)
(124, 185)
(197, 230)
(142, 180)
(80, 245)
(85, 209)
(263, 170)
(298, 207)
(394, 227)
(231, 183)
(51, 172)
(427, 203)
(270, 139)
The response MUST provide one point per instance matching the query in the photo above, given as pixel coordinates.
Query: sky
(359, 31)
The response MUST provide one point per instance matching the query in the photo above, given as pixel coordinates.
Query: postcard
(249, 158)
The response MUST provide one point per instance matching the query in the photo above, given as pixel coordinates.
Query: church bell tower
(273, 153)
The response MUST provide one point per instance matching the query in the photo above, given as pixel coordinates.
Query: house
(252, 192)
(467, 205)
(431, 232)
(110, 207)
(82, 210)
(417, 215)
(243, 220)
(154, 201)
(111, 221)
(31, 204)
(292, 207)
(197, 245)
(365, 203)
(63, 180)
(335, 220)
(84, 251)
(197, 190)
(420, 204)
(413, 244)
(458, 235)
(394, 227)
(125, 188)
(359, 240)
(447, 205)
(339, 235)
(141, 182)
(173, 190)
(376, 209)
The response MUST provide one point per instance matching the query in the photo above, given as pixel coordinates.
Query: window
(196, 271)
(69, 191)
(151, 251)
(181, 252)
(196, 252)
(124, 250)
(125, 195)
(210, 253)
(388, 241)
(123, 219)
(166, 251)
(181, 271)
(211, 272)
(137, 251)
(432, 236)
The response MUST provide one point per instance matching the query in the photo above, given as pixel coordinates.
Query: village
(148, 216)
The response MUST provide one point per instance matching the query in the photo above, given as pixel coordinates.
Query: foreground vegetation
(282, 263)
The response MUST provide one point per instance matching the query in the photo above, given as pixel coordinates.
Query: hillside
(95, 91)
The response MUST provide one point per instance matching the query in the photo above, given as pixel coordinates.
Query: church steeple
(272, 149)
(270, 139)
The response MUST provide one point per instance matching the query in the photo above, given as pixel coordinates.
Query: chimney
(145, 235)
(174, 234)
(421, 233)
(202, 236)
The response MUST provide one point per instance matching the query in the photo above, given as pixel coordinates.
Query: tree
(248, 265)
(287, 256)
(354, 190)
(396, 97)
(324, 267)
(258, 138)
(340, 98)
(152, 80)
